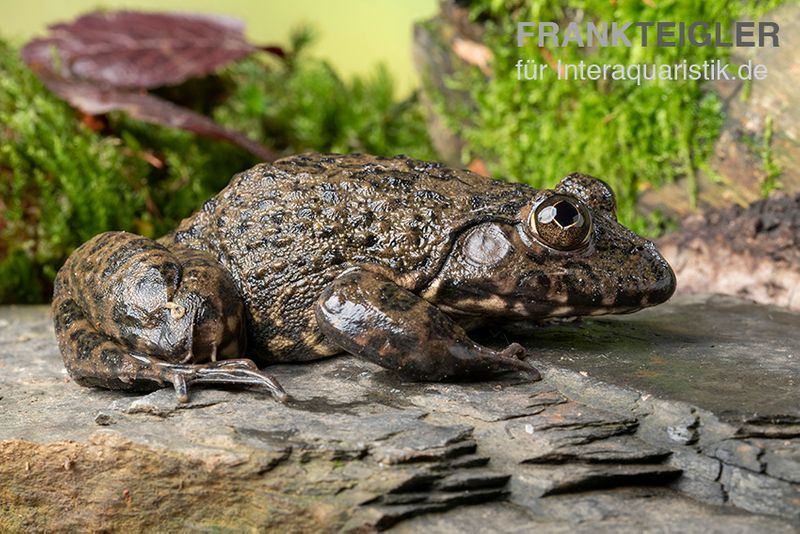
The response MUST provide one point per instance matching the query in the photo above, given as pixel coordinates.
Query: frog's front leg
(131, 314)
(370, 316)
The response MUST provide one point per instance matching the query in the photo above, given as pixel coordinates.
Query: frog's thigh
(370, 316)
(96, 359)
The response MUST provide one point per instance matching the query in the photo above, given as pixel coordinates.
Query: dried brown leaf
(96, 100)
(129, 49)
(103, 61)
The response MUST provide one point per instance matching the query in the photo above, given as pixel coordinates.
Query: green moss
(772, 169)
(62, 182)
(56, 177)
(307, 106)
(634, 136)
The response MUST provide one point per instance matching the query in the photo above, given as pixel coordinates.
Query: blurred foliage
(310, 107)
(48, 162)
(65, 177)
(634, 136)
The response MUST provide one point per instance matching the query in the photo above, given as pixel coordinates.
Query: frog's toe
(181, 389)
(504, 363)
(240, 375)
(512, 358)
(224, 373)
(514, 350)
(533, 372)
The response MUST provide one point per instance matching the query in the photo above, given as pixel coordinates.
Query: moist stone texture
(684, 418)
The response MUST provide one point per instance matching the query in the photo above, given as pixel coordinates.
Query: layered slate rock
(678, 417)
(713, 379)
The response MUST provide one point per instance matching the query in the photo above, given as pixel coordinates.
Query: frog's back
(286, 230)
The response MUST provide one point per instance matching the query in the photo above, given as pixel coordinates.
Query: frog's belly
(282, 325)
(286, 348)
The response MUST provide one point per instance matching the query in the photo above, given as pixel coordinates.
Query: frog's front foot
(371, 317)
(512, 357)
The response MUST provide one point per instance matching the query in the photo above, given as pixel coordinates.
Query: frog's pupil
(566, 214)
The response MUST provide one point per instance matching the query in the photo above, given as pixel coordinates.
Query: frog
(393, 260)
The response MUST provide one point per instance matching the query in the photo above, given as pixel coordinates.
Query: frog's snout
(636, 277)
(665, 281)
(657, 280)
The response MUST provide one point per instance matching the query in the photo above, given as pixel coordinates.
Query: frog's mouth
(648, 281)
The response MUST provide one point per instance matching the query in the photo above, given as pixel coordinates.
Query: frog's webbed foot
(371, 317)
(240, 372)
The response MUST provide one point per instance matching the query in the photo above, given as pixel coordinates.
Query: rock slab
(677, 418)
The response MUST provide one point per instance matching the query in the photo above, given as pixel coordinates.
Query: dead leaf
(96, 100)
(478, 166)
(93, 122)
(474, 53)
(139, 50)
(103, 61)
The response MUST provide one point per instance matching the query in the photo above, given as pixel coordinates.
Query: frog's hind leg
(96, 360)
(134, 316)
(370, 316)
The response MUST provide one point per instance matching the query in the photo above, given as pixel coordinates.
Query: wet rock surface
(720, 354)
(678, 418)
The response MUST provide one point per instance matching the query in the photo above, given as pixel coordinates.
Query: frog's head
(565, 255)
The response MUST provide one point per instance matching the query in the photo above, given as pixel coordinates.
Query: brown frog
(389, 259)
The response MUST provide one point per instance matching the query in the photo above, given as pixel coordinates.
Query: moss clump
(57, 180)
(772, 169)
(297, 108)
(634, 136)
(61, 182)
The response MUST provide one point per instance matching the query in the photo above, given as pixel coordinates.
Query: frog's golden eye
(561, 222)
